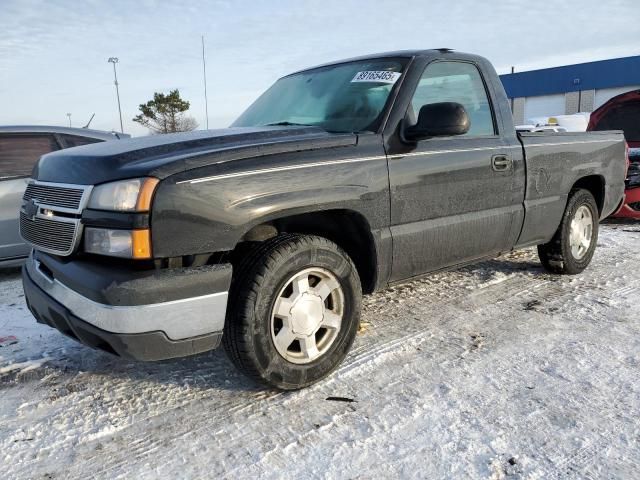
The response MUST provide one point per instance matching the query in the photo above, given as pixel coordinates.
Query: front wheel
(571, 249)
(294, 310)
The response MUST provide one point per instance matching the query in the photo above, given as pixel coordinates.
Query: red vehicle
(622, 112)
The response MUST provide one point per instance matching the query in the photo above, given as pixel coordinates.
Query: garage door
(544, 106)
(603, 95)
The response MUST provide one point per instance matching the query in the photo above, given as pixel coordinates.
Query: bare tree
(166, 114)
(187, 124)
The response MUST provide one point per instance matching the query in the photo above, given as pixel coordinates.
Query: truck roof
(395, 54)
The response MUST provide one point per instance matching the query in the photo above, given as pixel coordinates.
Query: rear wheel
(571, 249)
(294, 311)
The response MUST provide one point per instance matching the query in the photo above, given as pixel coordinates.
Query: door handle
(500, 163)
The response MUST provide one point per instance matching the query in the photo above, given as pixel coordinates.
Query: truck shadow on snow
(9, 273)
(206, 371)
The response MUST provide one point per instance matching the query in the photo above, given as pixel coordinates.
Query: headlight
(118, 243)
(125, 196)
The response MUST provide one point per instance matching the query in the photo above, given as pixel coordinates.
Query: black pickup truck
(339, 180)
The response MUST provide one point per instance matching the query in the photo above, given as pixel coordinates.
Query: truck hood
(163, 155)
(621, 112)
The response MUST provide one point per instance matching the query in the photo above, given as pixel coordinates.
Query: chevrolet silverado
(338, 181)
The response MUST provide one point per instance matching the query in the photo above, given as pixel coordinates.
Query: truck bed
(554, 162)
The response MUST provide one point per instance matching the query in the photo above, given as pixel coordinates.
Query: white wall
(606, 93)
(544, 106)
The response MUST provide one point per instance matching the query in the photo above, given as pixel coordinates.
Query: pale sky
(53, 53)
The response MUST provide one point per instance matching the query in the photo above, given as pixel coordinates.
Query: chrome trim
(75, 243)
(379, 157)
(527, 145)
(280, 169)
(84, 200)
(178, 319)
(79, 227)
(332, 162)
(437, 152)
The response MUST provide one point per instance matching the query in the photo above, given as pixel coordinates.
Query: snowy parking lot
(499, 370)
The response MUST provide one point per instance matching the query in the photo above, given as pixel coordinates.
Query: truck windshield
(348, 97)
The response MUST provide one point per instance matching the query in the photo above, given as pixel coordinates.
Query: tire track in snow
(142, 447)
(523, 286)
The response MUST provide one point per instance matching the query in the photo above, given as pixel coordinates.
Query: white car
(20, 148)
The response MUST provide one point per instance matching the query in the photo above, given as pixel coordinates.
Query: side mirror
(439, 119)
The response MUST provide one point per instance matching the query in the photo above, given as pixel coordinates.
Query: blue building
(570, 89)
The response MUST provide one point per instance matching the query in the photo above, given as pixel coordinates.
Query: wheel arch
(595, 184)
(349, 229)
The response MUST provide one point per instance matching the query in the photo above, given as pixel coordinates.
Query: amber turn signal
(146, 194)
(141, 244)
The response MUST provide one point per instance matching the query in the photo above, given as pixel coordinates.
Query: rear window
(77, 140)
(625, 117)
(19, 153)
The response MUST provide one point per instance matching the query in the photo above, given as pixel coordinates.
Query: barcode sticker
(376, 77)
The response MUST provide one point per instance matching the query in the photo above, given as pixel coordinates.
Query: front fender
(192, 217)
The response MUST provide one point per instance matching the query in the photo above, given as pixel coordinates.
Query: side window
(456, 82)
(77, 140)
(20, 152)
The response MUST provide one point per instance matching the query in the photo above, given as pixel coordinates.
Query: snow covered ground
(494, 371)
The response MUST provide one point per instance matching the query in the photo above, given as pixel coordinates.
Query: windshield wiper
(293, 124)
(288, 124)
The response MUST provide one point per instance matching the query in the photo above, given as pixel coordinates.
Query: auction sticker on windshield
(376, 76)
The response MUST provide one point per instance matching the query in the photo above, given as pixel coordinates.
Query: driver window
(455, 82)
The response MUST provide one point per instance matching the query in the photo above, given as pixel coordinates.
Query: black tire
(556, 256)
(257, 281)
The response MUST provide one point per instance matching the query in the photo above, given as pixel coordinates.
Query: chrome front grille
(50, 235)
(50, 216)
(54, 196)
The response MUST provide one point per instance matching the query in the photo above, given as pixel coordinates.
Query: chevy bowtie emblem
(31, 209)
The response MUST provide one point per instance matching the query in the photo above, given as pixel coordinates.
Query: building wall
(612, 73)
(571, 103)
(587, 98)
(571, 88)
(563, 103)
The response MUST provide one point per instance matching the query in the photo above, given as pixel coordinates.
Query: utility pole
(204, 72)
(69, 115)
(115, 60)
(513, 70)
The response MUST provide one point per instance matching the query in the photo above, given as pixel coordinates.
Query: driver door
(452, 199)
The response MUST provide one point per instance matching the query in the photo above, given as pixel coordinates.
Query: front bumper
(166, 328)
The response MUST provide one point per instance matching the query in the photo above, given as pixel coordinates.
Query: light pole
(204, 72)
(69, 115)
(114, 60)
